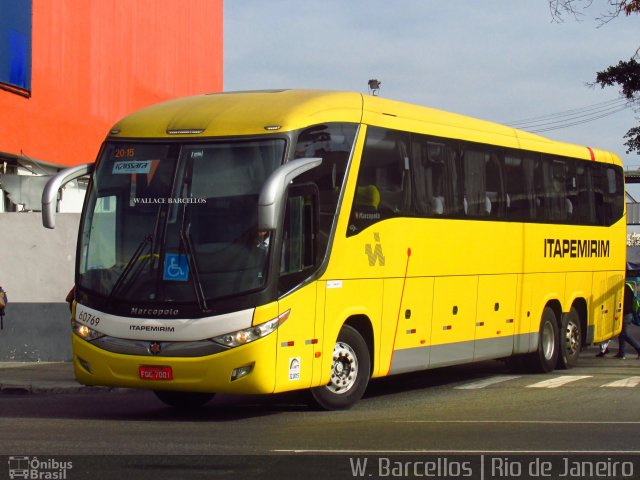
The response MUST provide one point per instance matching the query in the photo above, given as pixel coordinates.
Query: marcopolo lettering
(571, 248)
(154, 311)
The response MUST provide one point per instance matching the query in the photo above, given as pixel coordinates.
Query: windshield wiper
(185, 240)
(129, 266)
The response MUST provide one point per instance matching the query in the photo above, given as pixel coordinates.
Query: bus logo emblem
(154, 348)
(375, 253)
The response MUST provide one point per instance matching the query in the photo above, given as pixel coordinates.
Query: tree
(626, 74)
(572, 7)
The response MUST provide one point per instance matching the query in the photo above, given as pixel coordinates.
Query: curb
(26, 389)
(28, 378)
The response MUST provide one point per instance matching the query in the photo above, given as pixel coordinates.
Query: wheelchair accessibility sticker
(176, 267)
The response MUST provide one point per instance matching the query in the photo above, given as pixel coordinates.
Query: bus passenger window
(434, 173)
(333, 143)
(518, 173)
(614, 199)
(584, 196)
(381, 190)
(560, 205)
(477, 204)
(496, 197)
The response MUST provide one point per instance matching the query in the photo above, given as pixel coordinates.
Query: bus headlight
(85, 332)
(247, 335)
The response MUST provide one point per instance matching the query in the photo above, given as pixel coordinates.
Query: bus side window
(519, 183)
(427, 171)
(496, 196)
(382, 186)
(476, 202)
(435, 171)
(614, 195)
(585, 199)
(551, 188)
(333, 143)
(299, 238)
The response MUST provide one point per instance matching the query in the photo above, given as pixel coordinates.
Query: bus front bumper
(246, 369)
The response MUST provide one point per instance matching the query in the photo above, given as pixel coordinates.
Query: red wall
(95, 61)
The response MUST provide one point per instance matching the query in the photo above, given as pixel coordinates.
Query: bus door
(298, 337)
(606, 305)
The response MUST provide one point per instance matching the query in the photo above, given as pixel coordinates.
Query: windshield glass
(170, 222)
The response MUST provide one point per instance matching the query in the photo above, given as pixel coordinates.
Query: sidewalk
(39, 377)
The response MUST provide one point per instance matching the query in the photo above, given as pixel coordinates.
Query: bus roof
(269, 111)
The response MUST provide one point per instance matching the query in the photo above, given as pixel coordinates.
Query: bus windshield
(166, 222)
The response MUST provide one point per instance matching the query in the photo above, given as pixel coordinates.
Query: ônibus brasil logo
(34, 468)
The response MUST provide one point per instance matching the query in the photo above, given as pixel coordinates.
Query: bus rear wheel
(350, 372)
(570, 340)
(545, 358)
(183, 399)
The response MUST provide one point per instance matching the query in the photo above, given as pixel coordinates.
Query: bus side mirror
(272, 196)
(50, 192)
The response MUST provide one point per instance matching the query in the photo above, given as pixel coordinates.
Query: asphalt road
(475, 412)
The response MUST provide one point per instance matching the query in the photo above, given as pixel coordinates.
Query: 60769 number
(88, 319)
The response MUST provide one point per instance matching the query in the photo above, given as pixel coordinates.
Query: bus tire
(545, 357)
(183, 399)
(350, 372)
(570, 340)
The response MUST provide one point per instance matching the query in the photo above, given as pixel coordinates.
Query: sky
(498, 60)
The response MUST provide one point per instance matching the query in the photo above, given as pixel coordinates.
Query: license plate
(152, 372)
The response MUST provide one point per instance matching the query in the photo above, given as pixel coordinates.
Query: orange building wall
(94, 61)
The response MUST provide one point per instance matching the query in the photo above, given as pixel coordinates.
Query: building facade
(69, 69)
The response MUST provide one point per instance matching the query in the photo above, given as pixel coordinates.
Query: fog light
(84, 364)
(241, 372)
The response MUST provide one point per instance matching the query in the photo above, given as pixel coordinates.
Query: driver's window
(299, 246)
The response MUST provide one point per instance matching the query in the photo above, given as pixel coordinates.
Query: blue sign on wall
(15, 43)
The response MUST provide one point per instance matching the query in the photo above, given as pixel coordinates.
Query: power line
(569, 118)
(567, 113)
(579, 120)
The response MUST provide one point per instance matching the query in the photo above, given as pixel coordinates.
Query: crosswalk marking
(558, 381)
(486, 382)
(625, 382)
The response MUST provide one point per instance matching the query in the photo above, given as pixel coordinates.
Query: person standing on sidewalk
(627, 319)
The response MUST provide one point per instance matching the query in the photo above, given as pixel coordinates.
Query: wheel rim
(548, 343)
(344, 370)
(572, 338)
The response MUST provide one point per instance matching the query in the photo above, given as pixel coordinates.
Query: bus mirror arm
(272, 193)
(50, 192)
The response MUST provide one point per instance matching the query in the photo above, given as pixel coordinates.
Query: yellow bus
(261, 242)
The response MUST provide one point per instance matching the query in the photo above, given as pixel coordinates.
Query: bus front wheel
(545, 358)
(350, 372)
(183, 399)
